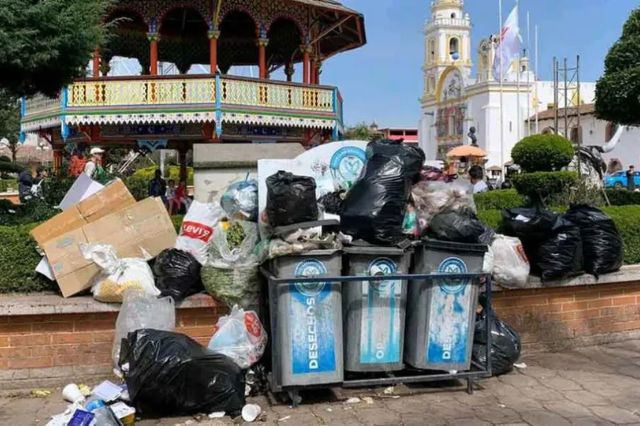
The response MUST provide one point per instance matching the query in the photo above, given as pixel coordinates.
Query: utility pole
(555, 95)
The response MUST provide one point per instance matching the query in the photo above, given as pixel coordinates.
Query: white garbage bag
(118, 275)
(138, 311)
(510, 264)
(240, 336)
(197, 229)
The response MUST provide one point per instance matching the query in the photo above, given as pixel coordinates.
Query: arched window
(454, 48)
(609, 131)
(453, 15)
(576, 134)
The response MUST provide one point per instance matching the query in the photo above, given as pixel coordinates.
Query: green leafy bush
(5, 184)
(539, 186)
(499, 199)
(623, 197)
(174, 173)
(18, 261)
(542, 153)
(177, 222)
(138, 186)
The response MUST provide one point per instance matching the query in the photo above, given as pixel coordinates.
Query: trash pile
(584, 239)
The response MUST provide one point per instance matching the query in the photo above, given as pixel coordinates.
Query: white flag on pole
(509, 47)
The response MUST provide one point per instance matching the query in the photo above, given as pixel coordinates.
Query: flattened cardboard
(112, 197)
(136, 231)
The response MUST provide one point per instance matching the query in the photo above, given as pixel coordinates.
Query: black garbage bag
(177, 274)
(375, 207)
(457, 227)
(291, 199)
(333, 202)
(603, 248)
(529, 225)
(170, 374)
(505, 345)
(560, 256)
(532, 227)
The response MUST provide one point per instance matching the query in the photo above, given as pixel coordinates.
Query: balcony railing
(450, 22)
(109, 96)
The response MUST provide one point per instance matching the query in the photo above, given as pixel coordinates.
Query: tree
(10, 122)
(46, 44)
(618, 91)
(362, 132)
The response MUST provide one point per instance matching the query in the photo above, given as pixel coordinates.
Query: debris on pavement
(250, 412)
(40, 393)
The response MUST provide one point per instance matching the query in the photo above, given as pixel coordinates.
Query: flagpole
(528, 132)
(518, 112)
(501, 94)
(536, 82)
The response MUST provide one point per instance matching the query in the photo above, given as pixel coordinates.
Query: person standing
(93, 168)
(158, 187)
(476, 175)
(631, 174)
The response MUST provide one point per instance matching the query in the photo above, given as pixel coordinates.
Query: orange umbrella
(466, 151)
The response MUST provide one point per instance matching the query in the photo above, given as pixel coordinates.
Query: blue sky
(382, 81)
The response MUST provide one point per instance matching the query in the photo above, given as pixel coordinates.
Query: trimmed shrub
(138, 186)
(542, 153)
(539, 186)
(148, 173)
(623, 197)
(499, 199)
(18, 261)
(5, 184)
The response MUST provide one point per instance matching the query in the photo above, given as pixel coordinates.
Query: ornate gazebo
(211, 105)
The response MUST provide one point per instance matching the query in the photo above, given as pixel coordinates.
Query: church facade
(454, 100)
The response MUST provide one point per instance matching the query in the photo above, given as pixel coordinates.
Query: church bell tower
(447, 43)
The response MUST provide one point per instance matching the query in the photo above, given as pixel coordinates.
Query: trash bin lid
(455, 247)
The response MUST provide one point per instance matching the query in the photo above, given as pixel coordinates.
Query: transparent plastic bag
(138, 311)
(118, 275)
(510, 264)
(233, 285)
(240, 201)
(222, 250)
(433, 198)
(240, 336)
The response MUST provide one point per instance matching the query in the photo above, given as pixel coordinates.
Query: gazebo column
(263, 42)
(57, 160)
(154, 38)
(306, 64)
(182, 159)
(96, 64)
(214, 35)
(289, 70)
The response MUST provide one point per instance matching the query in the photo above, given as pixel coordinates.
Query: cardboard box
(144, 229)
(112, 197)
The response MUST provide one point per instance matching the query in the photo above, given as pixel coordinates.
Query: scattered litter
(520, 365)
(368, 399)
(250, 412)
(329, 410)
(86, 390)
(217, 415)
(353, 400)
(81, 418)
(502, 406)
(63, 418)
(107, 391)
(126, 414)
(72, 393)
(390, 390)
(240, 336)
(40, 393)
(284, 419)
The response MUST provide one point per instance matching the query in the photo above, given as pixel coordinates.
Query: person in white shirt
(93, 166)
(476, 175)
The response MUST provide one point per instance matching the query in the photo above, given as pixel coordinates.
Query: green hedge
(174, 173)
(19, 258)
(622, 197)
(627, 219)
(499, 199)
(5, 184)
(18, 261)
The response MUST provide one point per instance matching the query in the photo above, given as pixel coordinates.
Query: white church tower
(447, 70)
